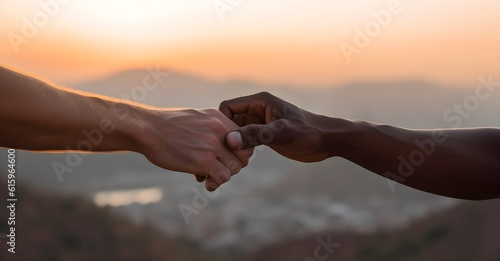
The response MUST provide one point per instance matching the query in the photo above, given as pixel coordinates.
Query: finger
(276, 133)
(245, 137)
(219, 176)
(239, 119)
(200, 178)
(230, 160)
(247, 119)
(243, 155)
(252, 104)
(211, 185)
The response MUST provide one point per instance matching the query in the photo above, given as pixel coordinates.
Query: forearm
(461, 163)
(37, 116)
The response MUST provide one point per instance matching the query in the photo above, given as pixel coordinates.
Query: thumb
(249, 136)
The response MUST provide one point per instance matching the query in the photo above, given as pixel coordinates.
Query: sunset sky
(295, 42)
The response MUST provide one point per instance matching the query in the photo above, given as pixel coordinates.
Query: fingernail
(234, 139)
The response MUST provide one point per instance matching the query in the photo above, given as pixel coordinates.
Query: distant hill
(410, 103)
(469, 231)
(174, 89)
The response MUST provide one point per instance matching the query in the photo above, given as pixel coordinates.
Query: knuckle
(191, 111)
(217, 126)
(265, 94)
(206, 159)
(224, 104)
(212, 141)
(221, 177)
(234, 167)
(244, 156)
(253, 131)
(211, 111)
(248, 153)
(253, 135)
(244, 163)
(210, 184)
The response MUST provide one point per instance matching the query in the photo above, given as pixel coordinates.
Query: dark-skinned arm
(459, 163)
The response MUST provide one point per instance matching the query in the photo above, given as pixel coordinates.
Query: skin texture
(39, 117)
(460, 163)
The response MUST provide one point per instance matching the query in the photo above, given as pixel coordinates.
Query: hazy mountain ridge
(395, 101)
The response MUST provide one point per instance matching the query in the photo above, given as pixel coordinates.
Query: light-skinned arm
(40, 117)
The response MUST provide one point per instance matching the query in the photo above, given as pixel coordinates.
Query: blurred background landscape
(274, 205)
(427, 59)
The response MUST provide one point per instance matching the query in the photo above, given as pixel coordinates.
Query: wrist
(135, 130)
(338, 136)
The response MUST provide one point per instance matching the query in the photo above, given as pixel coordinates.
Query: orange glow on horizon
(428, 41)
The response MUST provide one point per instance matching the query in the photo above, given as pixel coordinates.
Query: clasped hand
(216, 144)
(192, 141)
